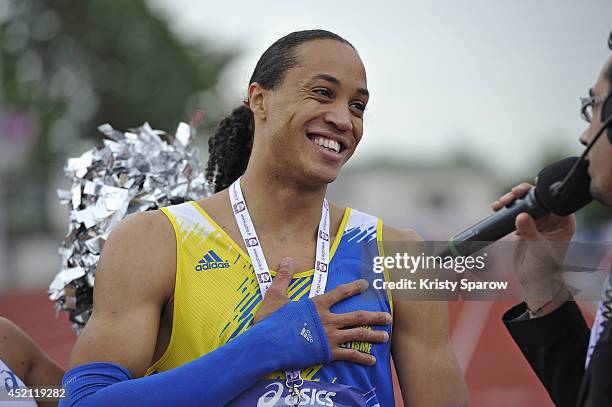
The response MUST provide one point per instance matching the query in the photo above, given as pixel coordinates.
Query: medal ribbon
(260, 266)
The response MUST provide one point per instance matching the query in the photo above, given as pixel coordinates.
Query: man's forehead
(344, 76)
(329, 56)
(326, 50)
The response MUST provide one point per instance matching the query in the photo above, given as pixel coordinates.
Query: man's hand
(339, 328)
(541, 249)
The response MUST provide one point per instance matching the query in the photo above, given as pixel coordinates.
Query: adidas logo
(306, 334)
(211, 260)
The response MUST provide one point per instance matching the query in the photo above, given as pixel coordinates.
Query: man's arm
(555, 346)
(134, 280)
(426, 365)
(27, 360)
(553, 336)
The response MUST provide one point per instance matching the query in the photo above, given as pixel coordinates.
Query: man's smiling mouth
(326, 143)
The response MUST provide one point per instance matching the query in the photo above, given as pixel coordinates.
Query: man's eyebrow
(327, 77)
(336, 81)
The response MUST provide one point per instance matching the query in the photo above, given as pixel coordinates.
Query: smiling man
(302, 129)
(271, 160)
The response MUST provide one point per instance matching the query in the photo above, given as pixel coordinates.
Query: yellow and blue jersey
(216, 295)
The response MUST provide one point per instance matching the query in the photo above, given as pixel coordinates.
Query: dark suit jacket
(555, 346)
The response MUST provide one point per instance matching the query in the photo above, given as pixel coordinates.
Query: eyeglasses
(587, 106)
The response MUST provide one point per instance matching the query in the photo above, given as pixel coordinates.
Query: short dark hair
(230, 147)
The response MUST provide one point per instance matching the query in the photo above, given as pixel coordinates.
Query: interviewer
(548, 327)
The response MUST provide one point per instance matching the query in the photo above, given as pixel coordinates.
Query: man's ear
(257, 100)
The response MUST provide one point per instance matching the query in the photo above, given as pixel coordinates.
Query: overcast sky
(499, 78)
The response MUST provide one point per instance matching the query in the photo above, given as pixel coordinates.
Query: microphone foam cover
(573, 196)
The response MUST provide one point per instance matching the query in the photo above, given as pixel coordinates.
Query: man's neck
(282, 207)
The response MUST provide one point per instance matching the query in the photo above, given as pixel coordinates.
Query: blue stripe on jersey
(353, 260)
(215, 256)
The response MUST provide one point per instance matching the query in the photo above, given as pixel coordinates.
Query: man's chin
(599, 196)
(323, 177)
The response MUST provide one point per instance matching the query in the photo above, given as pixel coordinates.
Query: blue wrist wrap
(290, 338)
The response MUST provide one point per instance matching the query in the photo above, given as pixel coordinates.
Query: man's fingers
(280, 284)
(526, 227)
(353, 355)
(277, 295)
(362, 335)
(521, 189)
(344, 291)
(516, 192)
(359, 318)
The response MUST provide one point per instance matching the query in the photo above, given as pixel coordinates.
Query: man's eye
(323, 92)
(359, 106)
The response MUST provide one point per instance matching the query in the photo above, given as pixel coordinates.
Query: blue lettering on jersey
(210, 261)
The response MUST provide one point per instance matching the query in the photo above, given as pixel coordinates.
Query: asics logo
(211, 261)
(308, 397)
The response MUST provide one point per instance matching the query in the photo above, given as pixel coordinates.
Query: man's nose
(340, 118)
(585, 136)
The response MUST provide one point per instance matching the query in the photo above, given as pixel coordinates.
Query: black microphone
(539, 201)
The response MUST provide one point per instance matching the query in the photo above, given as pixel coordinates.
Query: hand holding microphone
(542, 217)
(539, 265)
(561, 189)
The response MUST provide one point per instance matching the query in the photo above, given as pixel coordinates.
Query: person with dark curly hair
(185, 299)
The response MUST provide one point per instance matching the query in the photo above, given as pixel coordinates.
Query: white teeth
(335, 145)
(327, 143)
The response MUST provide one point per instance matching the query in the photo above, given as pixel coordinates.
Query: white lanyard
(264, 279)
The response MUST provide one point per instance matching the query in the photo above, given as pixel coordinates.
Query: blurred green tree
(72, 65)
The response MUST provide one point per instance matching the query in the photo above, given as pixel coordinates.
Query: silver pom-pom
(135, 171)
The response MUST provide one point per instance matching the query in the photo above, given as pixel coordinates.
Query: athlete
(22, 365)
(179, 291)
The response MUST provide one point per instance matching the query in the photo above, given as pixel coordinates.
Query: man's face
(314, 117)
(600, 155)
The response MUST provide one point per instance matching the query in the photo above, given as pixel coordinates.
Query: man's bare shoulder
(336, 212)
(395, 234)
(151, 223)
(142, 248)
(148, 234)
(218, 207)
(218, 202)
